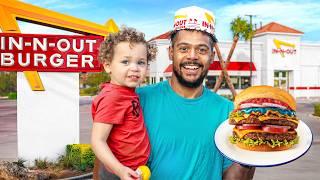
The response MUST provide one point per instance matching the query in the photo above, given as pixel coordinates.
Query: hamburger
(265, 119)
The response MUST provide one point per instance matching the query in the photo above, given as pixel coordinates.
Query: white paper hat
(194, 17)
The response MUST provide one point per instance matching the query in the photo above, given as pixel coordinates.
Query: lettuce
(272, 143)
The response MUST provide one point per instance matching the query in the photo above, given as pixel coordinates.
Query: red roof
(233, 66)
(162, 36)
(275, 27)
(168, 69)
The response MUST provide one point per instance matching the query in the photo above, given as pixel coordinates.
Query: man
(182, 115)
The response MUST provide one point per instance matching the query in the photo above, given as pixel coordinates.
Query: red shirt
(128, 139)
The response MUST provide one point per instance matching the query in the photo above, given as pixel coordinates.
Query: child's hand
(128, 174)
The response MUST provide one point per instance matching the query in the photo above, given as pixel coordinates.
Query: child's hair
(126, 34)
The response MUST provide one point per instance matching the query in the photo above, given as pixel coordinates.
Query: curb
(316, 142)
(313, 116)
(81, 177)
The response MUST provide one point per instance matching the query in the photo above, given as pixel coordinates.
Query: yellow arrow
(111, 26)
(279, 43)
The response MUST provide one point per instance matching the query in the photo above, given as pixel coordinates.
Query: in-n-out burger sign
(50, 53)
(278, 50)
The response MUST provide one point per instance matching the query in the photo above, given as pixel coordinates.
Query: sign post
(48, 120)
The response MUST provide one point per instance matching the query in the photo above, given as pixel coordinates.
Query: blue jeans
(106, 175)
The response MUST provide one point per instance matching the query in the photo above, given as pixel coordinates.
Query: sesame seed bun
(265, 92)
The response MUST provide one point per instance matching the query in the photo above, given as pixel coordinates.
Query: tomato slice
(251, 124)
(275, 128)
(248, 127)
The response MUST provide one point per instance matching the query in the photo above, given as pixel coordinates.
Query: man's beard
(189, 84)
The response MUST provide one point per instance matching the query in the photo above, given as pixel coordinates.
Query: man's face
(191, 55)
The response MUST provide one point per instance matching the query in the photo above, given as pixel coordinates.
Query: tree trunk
(224, 71)
(220, 78)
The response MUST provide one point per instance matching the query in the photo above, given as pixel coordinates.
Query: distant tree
(8, 83)
(95, 79)
(91, 82)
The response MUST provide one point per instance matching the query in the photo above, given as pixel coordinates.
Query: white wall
(47, 120)
(162, 60)
(309, 71)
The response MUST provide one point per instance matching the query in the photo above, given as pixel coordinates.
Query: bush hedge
(80, 156)
(91, 91)
(12, 95)
(317, 109)
(8, 83)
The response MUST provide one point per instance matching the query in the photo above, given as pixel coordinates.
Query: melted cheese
(241, 133)
(266, 117)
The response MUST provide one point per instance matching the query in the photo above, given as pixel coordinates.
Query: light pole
(250, 79)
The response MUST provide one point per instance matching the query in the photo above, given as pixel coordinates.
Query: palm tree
(224, 72)
(241, 29)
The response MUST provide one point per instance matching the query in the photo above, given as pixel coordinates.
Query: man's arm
(238, 172)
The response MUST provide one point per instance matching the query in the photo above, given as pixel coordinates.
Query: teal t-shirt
(182, 131)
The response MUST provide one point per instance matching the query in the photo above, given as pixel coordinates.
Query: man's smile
(191, 67)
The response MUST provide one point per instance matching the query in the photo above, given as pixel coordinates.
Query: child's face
(128, 66)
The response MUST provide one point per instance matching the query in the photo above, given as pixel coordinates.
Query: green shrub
(89, 91)
(80, 156)
(64, 162)
(20, 162)
(317, 109)
(12, 95)
(95, 79)
(8, 83)
(42, 163)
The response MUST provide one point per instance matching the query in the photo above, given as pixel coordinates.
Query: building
(279, 59)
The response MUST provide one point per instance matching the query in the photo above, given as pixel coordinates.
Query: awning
(233, 66)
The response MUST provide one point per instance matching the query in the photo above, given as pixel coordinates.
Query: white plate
(262, 159)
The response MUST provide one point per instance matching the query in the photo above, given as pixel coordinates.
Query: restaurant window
(153, 80)
(210, 82)
(161, 79)
(147, 80)
(281, 79)
(245, 82)
(235, 80)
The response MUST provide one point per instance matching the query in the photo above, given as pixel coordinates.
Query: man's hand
(239, 172)
(126, 173)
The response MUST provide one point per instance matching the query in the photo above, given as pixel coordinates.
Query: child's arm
(100, 133)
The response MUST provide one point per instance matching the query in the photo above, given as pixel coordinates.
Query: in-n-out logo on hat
(194, 18)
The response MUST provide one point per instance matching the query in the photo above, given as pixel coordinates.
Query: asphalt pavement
(305, 168)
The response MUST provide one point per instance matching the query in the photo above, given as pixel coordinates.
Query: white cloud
(301, 15)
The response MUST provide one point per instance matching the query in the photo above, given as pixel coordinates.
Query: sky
(155, 17)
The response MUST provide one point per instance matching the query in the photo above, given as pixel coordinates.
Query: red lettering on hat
(205, 24)
(195, 21)
(180, 23)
